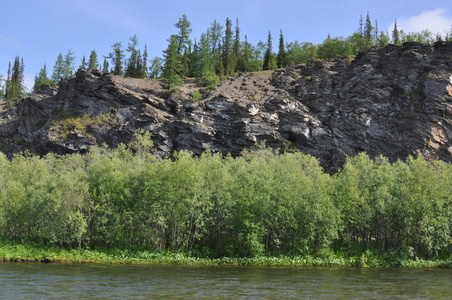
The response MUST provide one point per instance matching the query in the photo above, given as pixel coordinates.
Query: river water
(87, 281)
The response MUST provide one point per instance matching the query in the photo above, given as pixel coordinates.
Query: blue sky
(38, 30)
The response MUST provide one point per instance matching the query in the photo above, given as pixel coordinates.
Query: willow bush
(261, 203)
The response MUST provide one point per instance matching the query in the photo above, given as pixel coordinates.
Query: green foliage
(281, 57)
(70, 122)
(68, 63)
(41, 79)
(269, 60)
(14, 86)
(195, 96)
(117, 57)
(58, 69)
(264, 203)
(93, 63)
(135, 66)
(173, 65)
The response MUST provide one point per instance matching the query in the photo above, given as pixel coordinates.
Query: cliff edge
(394, 101)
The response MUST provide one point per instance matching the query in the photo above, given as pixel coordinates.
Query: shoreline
(31, 254)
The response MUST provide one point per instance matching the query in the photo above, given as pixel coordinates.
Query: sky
(38, 30)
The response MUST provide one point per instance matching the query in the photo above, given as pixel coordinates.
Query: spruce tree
(244, 66)
(183, 35)
(395, 34)
(145, 59)
(58, 69)
(69, 59)
(155, 69)
(131, 69)
(227, 48)
(93, 63)
(236, 48)
(173, 66)
(2, 88)
(360, 28)
(15, 86)
(186, 60)
(105, 65)
(268, 53)
(116, 58)
(214, 34)
(194, 60)
(83, 65)
(281, 57)
(377, 38)
(139, 72)
(41, 79)
(368, 32)
(8, 82)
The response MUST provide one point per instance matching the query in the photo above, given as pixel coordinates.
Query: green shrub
(195, 96)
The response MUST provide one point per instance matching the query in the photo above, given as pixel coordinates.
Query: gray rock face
(395, 101)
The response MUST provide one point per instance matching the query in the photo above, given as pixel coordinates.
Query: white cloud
(437, 21)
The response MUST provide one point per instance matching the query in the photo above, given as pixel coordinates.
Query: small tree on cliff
(93, 63)
(281, 57)
(173, 64)
(395, 34)
(116, 58)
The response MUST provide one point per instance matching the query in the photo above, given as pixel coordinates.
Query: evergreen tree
(93, 63)
(395, 34)
(360, 28)
(145, 59)
(268, 54)
(69, 63)
(155, 69)
(237, 41)
(172, 67)
(183, 35)
(41, 79)
(131, 69)
(368, 32)
(215, 36)
(105, 65)
(207, 59)
(2, 88)
(377, 38)
(117, 57)
(139, 72)
(8, 82)
(186, 60)
(245, 57)
(383, 39)
(281, 57)
(194, 60)
(15, 86)
(227, 48)
(83, 65)
(58, 69)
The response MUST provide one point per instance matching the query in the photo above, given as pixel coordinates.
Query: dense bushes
(262, 203)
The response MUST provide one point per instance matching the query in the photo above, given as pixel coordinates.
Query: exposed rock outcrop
(395, 101)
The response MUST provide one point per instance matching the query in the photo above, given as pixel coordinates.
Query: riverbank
(10, 252)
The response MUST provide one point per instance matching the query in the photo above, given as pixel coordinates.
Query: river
(70, 281)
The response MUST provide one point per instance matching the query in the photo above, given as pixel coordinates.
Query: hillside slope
(395, 101)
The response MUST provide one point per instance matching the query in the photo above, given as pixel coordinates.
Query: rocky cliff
(395, 101)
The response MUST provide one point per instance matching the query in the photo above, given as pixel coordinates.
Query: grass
(69, 122)
(29, 252)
